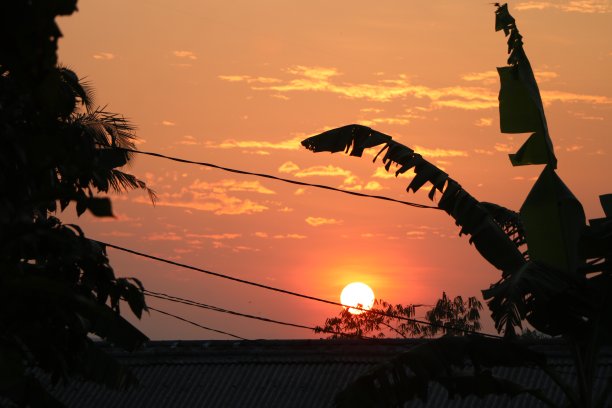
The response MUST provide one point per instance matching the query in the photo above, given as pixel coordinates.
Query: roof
(282, 373)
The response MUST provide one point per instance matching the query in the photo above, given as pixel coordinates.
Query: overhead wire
(285, 180)
(189, 302)
(194, 323)
(287, 292)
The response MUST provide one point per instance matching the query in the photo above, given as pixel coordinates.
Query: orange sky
(240, 83)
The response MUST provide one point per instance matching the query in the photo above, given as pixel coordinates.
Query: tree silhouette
(449, 316)
(56, 286)
(555, 268)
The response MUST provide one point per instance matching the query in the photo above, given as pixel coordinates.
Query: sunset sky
(241, 83)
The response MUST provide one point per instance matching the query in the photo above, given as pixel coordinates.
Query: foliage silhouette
(555, 268)
(56, 286)
(450, 317)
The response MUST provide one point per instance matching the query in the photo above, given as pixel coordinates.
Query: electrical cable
(194, 323)
(188, 302)
(285, 180)
(287, 292)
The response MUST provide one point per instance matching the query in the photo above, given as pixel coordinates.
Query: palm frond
(552, 302)
(83, 90)
(120, 182)
(494, 244)
(510, 222)
(106, 128)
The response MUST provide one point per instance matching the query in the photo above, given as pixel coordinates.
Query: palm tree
(555, 268)
(56, 286)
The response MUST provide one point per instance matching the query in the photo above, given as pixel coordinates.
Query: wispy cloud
(249, 79)
(289, 144)
(104, 56)
(188, 140)
(164, 236)
(324, 79)
(492, 77)
(318, 221)
(185, 54)
(401, 119)
(560, 96)
(349, 180)
(265, 235)
(484, 122)
(216, 237)
(574, 148)
(288, 167)
(428, 152)
(415, 235)
(231, 185)
(502, 147)
(215, 197)
(575, 6)
(168, 123)
(381, 173)
(483, 151)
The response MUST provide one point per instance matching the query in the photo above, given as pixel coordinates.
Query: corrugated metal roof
(283, 373)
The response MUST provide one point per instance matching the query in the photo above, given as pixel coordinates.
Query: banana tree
(555, 268)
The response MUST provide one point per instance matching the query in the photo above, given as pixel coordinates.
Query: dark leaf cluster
(57, 288)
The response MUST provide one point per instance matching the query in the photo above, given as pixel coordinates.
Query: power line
(194, 323)
(287, 292)
(189, 302)
(285, 180)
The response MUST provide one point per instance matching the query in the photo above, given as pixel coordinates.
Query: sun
(357, 294)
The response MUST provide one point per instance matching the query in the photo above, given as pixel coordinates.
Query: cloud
(427, 152)
(104, 56)
(585, 116)
(575, 6)
(248, 79)
(323, 79)
(318, 221)
(219, 204)
(492, 77)
(188, 140)
(502, 147)
(214, 197)
(289, 144)
(483, 151)
(560, 96)
(216, 237)
(288, 167)
(279, 236)
(223, 186)
(350, 181)
(185, 54)
(402, 119)
(324, 171)
(573, 148)
(373, 186)
(484, 122)
(383, 174)
(415, 235)
(164, 236)
(168, 123)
